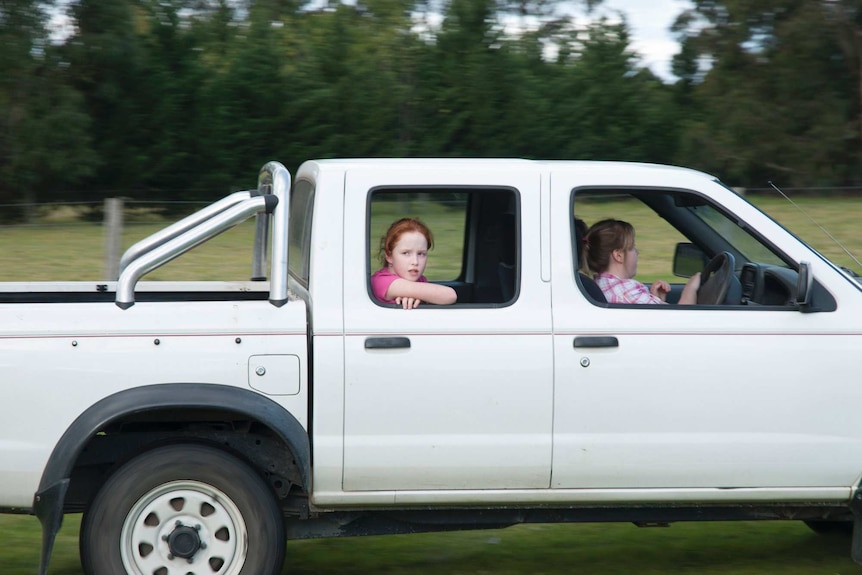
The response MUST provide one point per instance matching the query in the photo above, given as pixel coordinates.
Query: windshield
(827, 223)
(739, 238)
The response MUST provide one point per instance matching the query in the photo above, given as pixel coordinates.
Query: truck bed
(100, 292)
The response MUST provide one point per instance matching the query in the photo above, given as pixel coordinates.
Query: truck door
(448, 397)
(666, 396)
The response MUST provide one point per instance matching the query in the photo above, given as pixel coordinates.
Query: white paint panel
(481, 418)
(50, 375)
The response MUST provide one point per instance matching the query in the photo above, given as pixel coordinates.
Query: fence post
(113, 226)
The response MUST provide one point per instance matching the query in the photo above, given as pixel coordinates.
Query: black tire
(841, 528)
(180, 503)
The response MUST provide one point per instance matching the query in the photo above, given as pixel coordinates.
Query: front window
(679, 234)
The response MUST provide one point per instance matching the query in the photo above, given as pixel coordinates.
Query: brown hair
(603, 238)
(399, 228)
(580, 244)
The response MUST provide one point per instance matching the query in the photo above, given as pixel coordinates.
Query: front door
(668, 396)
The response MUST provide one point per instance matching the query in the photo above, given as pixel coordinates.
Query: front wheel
(183, 510)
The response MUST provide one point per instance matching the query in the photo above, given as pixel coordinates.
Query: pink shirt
(381, 280)
(618, 290)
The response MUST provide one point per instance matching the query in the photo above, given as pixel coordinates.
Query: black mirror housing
(688, 259)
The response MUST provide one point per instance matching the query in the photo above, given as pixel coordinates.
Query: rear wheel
(183, 510)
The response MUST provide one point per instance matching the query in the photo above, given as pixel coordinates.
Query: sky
(649, 22)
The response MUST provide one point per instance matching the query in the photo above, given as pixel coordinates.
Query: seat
(589, 285)
(592, 288)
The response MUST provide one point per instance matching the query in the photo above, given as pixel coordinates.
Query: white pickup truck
(199, 425)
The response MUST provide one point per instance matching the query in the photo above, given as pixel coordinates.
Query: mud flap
(48, 506)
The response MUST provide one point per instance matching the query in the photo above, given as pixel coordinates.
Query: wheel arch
(49, 499)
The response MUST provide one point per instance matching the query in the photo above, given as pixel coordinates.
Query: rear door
(449, 397)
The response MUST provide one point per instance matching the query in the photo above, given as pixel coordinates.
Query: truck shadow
(752, 548)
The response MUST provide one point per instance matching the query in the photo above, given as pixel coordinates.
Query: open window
(476, 238)
(679, 232)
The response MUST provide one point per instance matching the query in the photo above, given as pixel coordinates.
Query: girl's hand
(408, 302)
(660, 289)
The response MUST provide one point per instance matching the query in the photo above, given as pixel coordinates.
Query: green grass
(745, 548)
(72, 250)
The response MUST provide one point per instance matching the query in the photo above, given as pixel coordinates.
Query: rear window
(299, 232)
(476, 237)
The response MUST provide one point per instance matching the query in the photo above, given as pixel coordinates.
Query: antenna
(813, 221)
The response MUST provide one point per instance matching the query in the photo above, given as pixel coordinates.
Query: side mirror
(688, 259)
(804, 281)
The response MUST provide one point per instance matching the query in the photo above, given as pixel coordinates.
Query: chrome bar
(261, 237)
(275, 179)
(179, 244)
(162, 236)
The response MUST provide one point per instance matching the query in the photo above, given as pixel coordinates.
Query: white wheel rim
(188, 506)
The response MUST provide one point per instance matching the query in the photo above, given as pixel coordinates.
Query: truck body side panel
(60, 359)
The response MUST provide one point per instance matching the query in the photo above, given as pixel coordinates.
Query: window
(476, 245)
(677, 232)
(299, 233)
(655, 237)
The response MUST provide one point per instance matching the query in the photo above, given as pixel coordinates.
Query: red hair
(399, 228)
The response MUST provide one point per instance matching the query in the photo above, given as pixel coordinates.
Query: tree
(105, 64)
(44, 143)
(775, 93)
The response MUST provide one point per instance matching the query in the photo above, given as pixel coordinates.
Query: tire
(183, 510)
(842, 528)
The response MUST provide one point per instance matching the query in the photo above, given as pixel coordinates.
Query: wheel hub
(184, 522)
(184, 541)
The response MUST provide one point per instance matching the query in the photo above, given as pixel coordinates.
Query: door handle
(387, 342)
(596, 341)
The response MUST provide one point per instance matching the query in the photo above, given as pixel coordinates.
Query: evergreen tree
(44, 141)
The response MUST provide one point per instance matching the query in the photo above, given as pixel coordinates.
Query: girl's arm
(424, 291)
(689, 292)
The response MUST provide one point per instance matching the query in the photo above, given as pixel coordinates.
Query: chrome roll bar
(270, 202)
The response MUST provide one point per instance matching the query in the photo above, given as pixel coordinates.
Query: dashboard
(767, 285)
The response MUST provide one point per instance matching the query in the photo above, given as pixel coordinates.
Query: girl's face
(409, 256)
(630, 262)
(627, 258)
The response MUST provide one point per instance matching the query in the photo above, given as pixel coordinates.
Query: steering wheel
(715, 279)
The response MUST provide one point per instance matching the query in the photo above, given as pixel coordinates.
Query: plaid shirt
(618, 290)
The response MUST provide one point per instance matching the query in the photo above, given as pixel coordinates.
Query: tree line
(186, 99)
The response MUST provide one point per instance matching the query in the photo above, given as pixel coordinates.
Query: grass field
(750, 548)
(71, 250)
